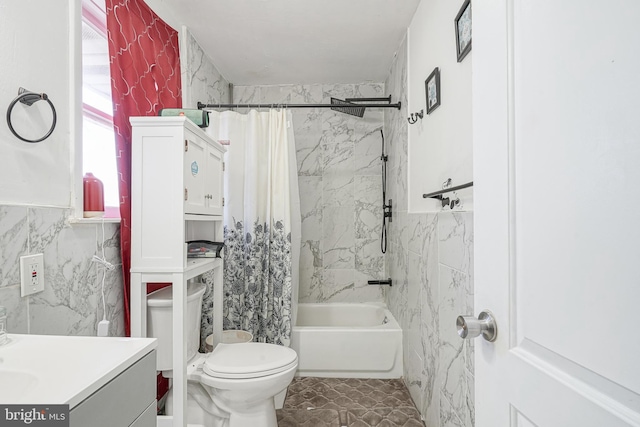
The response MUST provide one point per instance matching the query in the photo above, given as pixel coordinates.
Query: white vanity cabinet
(105, 381)
(176, 196)
(128, 400)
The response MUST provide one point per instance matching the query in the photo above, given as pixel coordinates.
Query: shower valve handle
(387, 209)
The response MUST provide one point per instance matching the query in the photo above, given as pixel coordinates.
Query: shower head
(347, 107)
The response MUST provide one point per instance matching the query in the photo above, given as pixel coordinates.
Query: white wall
(440, 145)
(35, 54)
(39, 44)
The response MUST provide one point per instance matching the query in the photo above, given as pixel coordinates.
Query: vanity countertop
(51, 369)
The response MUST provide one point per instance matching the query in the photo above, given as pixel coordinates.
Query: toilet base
(263, 414)
(223, 402)
(196, 414)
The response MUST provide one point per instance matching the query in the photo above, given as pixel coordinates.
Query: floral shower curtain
(262, 222)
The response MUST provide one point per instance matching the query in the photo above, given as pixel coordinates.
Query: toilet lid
(249, 360)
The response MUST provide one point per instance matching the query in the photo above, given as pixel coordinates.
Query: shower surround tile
(369, 90)
(367, 149)
(338, 237)
(337, 128)
(339, 169)
(369, 259)
(291, 94)
(246, 95)
(311, 193)
(430, 258)
(340, 91)
(337, 158)
(310, 270)
(338, 190)
(337, 285)
(368, 205)
(308, 135)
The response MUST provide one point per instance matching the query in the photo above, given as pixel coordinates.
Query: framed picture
(432, 88)
(463, 30)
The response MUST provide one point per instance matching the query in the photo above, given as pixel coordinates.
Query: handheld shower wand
(386, 208)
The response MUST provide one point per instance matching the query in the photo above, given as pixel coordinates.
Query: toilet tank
(160, 321)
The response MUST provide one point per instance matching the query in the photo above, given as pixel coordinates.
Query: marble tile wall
(201, 80)
(71, 303)
(430, 260)
(339, 174)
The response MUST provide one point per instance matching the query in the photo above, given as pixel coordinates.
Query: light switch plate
(31, 274)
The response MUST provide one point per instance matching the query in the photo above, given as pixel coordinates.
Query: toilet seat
(249, 360)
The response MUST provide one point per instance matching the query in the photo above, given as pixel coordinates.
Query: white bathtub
(347, 340)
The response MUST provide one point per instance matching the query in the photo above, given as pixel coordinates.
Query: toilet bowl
(232, 386)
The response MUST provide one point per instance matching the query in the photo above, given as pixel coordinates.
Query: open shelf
(194, 217)
(194, 267)
(197, 266)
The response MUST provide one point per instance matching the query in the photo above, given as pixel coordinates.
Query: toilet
(234, 385)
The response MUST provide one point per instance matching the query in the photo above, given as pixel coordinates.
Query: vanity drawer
(123, 400)
(148, 417)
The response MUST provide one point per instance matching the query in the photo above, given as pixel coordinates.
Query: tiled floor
(351, 402)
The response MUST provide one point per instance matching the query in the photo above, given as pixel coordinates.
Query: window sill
(88, 221)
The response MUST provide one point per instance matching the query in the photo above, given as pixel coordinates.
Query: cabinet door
(213, 177)
(195, 181)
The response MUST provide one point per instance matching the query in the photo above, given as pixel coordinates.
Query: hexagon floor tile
(350, 401)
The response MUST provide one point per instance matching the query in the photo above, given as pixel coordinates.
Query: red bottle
(93, 196)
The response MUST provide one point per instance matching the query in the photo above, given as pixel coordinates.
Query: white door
(556, 117)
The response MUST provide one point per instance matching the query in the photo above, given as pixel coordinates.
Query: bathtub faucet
(380, 282)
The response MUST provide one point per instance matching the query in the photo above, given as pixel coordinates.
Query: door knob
(470, 327)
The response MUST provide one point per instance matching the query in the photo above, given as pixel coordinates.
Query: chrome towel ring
(28, 98)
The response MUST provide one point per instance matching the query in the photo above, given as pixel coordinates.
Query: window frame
(80, 109)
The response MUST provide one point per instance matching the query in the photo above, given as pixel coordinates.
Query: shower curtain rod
(352, 105)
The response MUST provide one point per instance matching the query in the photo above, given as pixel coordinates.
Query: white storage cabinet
(176, 196)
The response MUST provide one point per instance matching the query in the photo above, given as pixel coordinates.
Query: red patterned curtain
(145, 78)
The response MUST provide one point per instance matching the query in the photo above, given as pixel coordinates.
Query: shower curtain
(262, 222)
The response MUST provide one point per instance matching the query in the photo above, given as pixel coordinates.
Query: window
(98, 146)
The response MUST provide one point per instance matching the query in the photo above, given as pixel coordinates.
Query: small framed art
(432, 88)
(463, 30)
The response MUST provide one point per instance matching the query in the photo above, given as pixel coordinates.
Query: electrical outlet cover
(31, 274)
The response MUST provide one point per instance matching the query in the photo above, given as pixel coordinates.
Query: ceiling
(261, 42)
